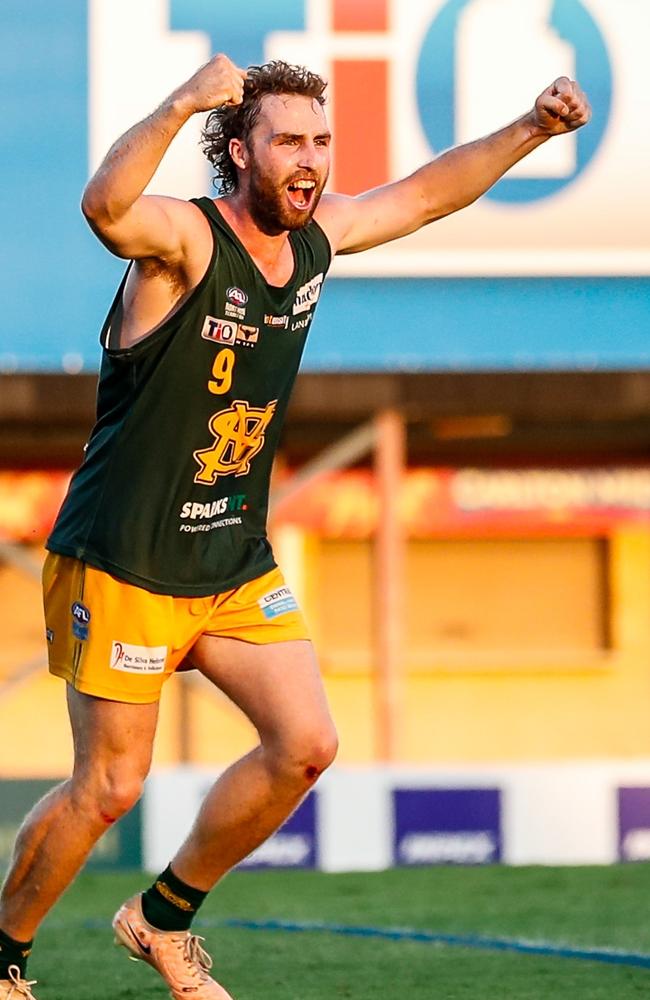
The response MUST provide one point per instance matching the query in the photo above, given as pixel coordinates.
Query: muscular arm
(134, 225)
(453, 180)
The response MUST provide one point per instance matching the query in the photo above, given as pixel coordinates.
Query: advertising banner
(407, 81)
(173, 797)
(437, 502)
(447, 826)
(634, 824)
(373, 817)
(548, 270)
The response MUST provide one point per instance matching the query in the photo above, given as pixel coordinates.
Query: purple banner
(447, 826)
(634, 824)
(295, 845)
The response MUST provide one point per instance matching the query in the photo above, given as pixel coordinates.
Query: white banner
(454, 70)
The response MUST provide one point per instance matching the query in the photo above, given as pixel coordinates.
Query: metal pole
(388, 583)
(342, 453)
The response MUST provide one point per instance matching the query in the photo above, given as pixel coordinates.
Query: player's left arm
(453, 180)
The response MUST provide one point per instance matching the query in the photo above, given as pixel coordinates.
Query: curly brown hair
(236, 121)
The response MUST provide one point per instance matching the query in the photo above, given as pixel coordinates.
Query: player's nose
(309, 155)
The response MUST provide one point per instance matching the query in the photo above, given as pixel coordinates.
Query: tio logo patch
(223, 331)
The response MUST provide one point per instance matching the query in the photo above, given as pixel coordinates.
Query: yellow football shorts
(114, 640)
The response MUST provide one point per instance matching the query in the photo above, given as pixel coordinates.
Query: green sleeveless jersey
(173, 491)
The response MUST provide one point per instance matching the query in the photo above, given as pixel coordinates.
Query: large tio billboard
(549, 269)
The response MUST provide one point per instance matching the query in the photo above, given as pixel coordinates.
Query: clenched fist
(218, 82)
(561, 108)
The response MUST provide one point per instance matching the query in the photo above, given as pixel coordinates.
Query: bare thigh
(277, 685)
(113, 741)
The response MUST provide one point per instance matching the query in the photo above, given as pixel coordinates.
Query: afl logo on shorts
(80, 621)
(80, 612)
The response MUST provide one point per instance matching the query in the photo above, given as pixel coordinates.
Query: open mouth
(301, 193)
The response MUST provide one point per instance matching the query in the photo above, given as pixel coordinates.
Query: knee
(302, 757)
(120, 794)
(322, 752)
(110, 794)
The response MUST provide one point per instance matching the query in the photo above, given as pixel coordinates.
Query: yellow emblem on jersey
(239, 434)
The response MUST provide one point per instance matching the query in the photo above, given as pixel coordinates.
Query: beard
(270, 209)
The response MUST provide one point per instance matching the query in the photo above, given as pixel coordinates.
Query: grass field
(580, 907)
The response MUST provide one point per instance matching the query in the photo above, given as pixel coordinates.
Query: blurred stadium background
(462, 500)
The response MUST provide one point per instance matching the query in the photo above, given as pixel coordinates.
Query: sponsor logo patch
(302, 323)
(308, 294)
(138, 659)
(196, 511)
(248, 335)
(237, 299)
(80, 612)
(279, 322)
(277, 602)
(223, 331)
(80, 621)
(237, 296)
(234, 312)
(223, 522)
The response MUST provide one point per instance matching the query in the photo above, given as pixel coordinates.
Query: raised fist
(218, 82)
(562, 107)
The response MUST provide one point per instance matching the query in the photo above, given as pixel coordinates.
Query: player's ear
(238, 153)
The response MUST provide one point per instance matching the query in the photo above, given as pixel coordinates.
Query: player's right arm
(137, 226)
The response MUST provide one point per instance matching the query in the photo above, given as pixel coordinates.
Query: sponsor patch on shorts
(80, 621)
(138, 659)
(277, 602)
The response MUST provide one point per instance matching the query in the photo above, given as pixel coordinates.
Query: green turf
(598, 907)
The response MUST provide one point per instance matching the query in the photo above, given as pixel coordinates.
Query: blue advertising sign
(634, 824)
(453, 826)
